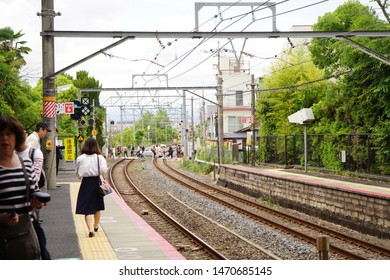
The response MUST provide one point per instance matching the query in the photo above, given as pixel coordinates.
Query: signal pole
(49, 95)
(220, 120)
(253, 122)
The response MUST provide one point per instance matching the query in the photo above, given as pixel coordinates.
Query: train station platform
(122, 234)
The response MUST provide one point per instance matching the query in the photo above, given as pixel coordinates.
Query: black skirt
(89, 201)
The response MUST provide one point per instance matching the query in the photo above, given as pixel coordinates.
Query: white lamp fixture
(303, 117)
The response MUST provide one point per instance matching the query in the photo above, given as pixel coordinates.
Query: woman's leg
(96, 217)
(89, 222)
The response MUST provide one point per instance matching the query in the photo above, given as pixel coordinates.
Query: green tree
(15, 93)
(285, 90)
(360, 103)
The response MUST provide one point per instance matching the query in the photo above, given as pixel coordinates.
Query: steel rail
(211, 251)
(339, 235)
(302, 236)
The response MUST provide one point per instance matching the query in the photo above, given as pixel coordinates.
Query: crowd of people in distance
(158, 151)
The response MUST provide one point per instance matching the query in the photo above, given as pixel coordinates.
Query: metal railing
(369, 153)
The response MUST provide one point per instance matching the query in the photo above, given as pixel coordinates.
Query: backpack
(42, 179)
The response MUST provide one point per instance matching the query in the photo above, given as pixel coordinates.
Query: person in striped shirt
(13, 197)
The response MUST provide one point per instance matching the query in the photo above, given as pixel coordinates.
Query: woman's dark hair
(16, 128)
(91, 147)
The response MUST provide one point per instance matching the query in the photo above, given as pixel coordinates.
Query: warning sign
(69, 153)
(80, 138)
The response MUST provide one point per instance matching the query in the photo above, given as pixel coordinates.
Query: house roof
(235, 135)
(247, 129)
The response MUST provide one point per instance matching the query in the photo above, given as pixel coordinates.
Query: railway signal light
(77, 110)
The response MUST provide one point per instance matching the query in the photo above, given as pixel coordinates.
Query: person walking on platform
(125, 152)
(89, 200)
(18, 239)
(40, 132)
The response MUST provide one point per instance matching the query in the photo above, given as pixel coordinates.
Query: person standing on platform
(33, 140)
(132, 151)
(154, 151)
(89, 201)
(16, 176)
(36, 156)
(170, 152)
(40, 132)
(59, 152)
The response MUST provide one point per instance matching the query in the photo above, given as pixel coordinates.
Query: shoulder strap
(25, 178)
(31, 153)
(98, 164)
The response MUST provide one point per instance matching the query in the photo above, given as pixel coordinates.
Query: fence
(369, 153)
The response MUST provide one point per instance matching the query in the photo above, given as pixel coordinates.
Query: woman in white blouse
(89, 201)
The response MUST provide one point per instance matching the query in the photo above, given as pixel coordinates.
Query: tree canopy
(360, 101)
(347, 89)
(15, 93)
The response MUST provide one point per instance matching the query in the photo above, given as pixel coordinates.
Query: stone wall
(359, 211)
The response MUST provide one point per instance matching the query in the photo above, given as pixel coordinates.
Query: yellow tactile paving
(97, 247)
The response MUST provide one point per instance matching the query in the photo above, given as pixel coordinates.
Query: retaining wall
(359, 211)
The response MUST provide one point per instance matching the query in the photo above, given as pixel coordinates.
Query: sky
(130, 63)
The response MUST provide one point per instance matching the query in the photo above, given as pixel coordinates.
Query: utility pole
(94, 132)
(184, 124)
(192, 130)
(121, 108)
(253, 122)
(203, 123)
(49, 95)
(220, 120)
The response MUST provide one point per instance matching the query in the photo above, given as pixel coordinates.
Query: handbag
(20, 241)
(104, 186)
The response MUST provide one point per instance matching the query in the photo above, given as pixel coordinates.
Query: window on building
(234, 124)
(239, 98)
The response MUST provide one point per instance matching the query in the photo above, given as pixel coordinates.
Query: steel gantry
(138, 101)
(48, 70)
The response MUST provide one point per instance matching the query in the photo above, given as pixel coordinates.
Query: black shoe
(96, 229)
(91, 234)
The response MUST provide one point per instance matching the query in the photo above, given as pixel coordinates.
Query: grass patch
(196, 167)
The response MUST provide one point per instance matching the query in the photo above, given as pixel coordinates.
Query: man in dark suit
(59, 154)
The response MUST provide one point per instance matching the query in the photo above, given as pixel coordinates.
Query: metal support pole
(49, 94)
(121, 108)
(204, 125)
(192, 130)
(253, 122)
(305, 144)
(94, 117)
(184, 131)
(220, 120)
(134, 127)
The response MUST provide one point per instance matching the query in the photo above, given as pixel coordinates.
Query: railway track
(342, 244)
(182, 238)
(177, 234)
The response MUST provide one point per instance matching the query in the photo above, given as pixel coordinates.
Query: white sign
(65, 108)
